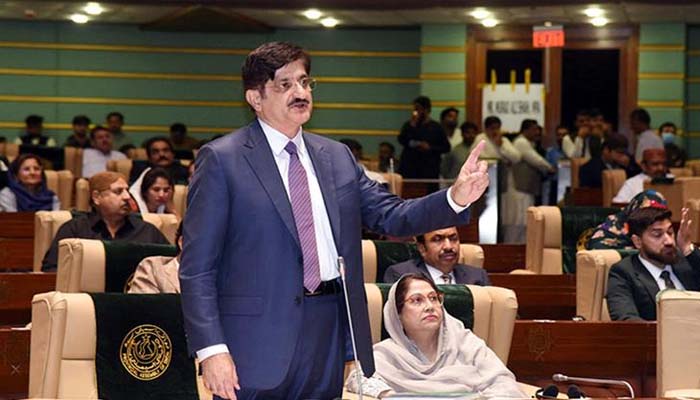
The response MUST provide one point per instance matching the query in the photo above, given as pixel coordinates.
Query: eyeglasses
(419, 301)
(285, 85)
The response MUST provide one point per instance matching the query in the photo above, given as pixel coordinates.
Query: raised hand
(473, 178)
(683, 238)
(219, 374)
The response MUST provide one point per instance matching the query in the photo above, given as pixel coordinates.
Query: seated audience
(647, 138)
(387, 152)
(613, 233)
(452, 162)
(26, 187)
(155, 194)
(440, 251)
(110, 218)
(79, 137)
(356, 150)
(160, 154)
(33, 135)
(159, 274)
(429, 350)
(665, 261)
(95, 159)
(675, 155)
(653, 166)
(179, 138)
(611, 155)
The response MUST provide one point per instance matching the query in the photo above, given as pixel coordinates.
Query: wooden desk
(541, 296)
(14, 363)
(614, 350)
(16, 292)
(16, 241)
(503, 257)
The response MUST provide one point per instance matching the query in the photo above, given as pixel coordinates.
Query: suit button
(297, 300)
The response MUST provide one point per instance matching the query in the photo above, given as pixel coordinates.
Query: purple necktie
(304, 218)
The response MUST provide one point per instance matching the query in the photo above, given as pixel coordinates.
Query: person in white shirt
(95, 159)
(653, 166)
(647, 138)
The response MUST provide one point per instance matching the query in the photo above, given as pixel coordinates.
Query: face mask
(668, 137)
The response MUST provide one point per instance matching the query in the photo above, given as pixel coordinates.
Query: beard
(665, 256)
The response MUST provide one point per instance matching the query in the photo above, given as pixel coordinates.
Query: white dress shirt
(436, 275)
(325, 244)
(656, 273)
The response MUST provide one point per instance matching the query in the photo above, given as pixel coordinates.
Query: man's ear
(637, 241)
(254, 98)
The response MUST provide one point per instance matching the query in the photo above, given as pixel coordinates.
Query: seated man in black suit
(612, 155)
(440, 252)
(663, 262)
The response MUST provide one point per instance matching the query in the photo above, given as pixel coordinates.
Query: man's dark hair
(261, 64)
(34, 120)
(389, 145)
(178, 127)
(352, 144)
(97, 129)
(116, 114)
(405, 282)
(423, 101)
(492, 120)
(642, 218)
(81, 120)
(466, 125)
(446, 111)
(616, 142)
(150, 178)
(156, 139)
(641, 115)
(527, 124)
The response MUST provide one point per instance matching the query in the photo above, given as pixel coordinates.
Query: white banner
(512, 104)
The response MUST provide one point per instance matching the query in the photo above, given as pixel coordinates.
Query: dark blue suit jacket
(241, 272)
(464, 274)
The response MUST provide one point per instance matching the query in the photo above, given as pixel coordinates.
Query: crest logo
(146, 352)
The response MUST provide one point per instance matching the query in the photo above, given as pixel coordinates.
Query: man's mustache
(298, 101)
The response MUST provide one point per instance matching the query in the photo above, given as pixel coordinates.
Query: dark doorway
(590, 79)
(505, 60)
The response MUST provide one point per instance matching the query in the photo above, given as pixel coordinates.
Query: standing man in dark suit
(663, 262)
(440, 252)
(270, 209)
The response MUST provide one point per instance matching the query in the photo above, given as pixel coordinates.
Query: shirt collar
(653, 269)
(278, 140)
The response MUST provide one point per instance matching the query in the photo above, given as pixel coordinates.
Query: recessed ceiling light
(79, 18)
(599, 21)
(329, 22)
(593, 12)
(480, 13)
(93, 8)
(312, 13)
(489, 22)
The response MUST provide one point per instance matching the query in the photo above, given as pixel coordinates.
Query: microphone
(575, 392)
(358, 368)
(596, 381)
(550, 392)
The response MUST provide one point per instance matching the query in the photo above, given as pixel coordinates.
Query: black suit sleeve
(620, 295)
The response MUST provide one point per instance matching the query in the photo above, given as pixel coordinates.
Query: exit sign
(548, 36)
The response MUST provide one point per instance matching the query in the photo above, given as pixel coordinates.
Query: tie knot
(291, 148)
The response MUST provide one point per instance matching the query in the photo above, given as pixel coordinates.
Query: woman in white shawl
(431, 351)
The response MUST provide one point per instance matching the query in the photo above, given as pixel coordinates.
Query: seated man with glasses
(429, 350)
(111, 218)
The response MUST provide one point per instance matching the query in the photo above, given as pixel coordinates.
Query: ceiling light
(93, 8)
(329, 22)
(489, 22)
(593, 12)
(79, 18)
(480, 13)
(312, 13)
(599, 21)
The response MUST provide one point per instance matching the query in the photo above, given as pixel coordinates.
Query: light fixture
(593, 12)
(312, 13)
(489, 22)
(79, 18)
(93, 8)
(329, 22)
(480, 13)
(599, 21)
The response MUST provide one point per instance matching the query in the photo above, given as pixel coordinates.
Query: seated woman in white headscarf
(431, 351)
